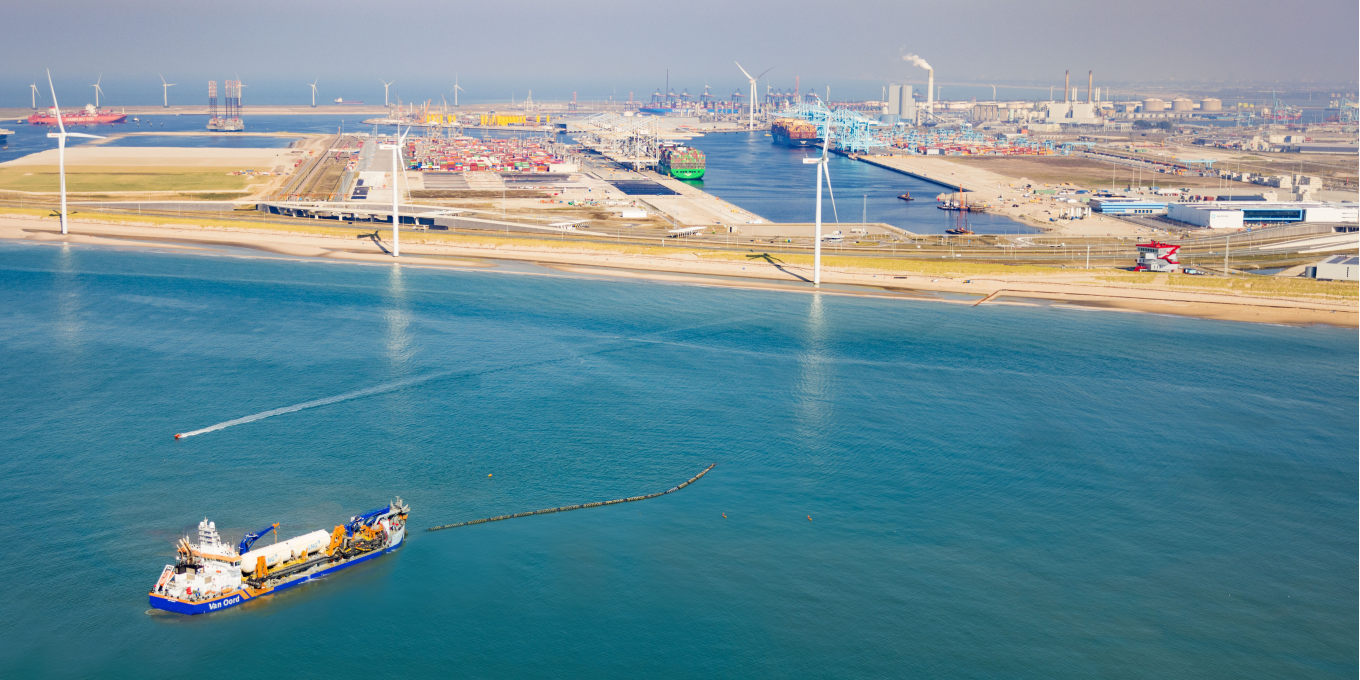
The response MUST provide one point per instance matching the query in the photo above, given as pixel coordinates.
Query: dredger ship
(211, 575)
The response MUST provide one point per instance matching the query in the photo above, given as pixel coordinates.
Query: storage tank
(1210, 104)
(1182, 104)
(1153, 105)
(285, 550)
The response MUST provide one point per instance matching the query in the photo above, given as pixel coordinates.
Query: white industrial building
(1239, 214)
(900, 106)
(1072, 113)
(1339, 268)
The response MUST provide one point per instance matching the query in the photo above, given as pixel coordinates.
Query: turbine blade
(766, 71)
(81, 134)
(743, 71)
(57, 107)
(827, 172)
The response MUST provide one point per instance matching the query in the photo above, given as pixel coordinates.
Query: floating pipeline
(567, 508)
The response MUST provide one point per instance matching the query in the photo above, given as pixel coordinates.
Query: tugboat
(906, 196)
(211, 575)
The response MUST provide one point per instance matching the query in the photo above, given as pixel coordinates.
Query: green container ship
(682, 162)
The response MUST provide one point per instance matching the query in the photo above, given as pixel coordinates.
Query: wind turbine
(396, 168)
(385, 86)
(34, 88)
(752, 118)
(165, 92)
(314, 82)
(822, 169)
(98, 90)
(456, 90)
(61, 147)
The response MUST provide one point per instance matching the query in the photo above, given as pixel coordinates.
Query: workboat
(906, 196)
(210, 575)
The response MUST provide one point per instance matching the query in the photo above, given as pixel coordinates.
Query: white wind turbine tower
(396, 168)
(822, 169)
(456, 90)
(98, 90)
(34, 88)
(61, 147)
(752, 119)
(313, 86)
(165, 92)
(385, 86)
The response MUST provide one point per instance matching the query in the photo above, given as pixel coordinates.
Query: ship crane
(250, 538)
(366, 518)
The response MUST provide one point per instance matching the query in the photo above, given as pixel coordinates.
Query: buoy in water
(724, 515)
(809, 518)
(488, 474)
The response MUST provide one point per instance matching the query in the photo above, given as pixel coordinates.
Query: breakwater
(568, 508)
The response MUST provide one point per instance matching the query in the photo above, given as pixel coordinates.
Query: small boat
(965, 231)
(906, 197)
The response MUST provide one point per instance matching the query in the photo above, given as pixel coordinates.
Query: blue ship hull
(240, 596)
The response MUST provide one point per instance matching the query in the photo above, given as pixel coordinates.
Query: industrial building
(1072, 113)
(900, 106)
(1338, 268)
(1127, 206)
(1239, 214)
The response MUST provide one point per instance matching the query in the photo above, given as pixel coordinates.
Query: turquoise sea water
(994, 492)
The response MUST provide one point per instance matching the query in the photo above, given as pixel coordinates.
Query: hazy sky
(597, 47)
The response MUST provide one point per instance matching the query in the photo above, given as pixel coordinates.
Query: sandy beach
(1087, 288)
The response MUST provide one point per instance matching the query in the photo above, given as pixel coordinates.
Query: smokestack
(930, 92)
(1090, 81)
(1067, 86)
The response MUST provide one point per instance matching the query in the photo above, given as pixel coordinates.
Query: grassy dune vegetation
(1254, 286)
(1267, 285)
(95, 178)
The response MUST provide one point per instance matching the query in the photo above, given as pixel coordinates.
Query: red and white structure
(1158, 257)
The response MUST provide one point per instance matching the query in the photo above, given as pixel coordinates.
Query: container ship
(793, 132)
(682, 162)
(89, 116)
(211, 575)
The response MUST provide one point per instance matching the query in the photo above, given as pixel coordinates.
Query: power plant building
(1072, 113)
(899, 107)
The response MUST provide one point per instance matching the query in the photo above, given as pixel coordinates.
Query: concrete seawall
(891, 163)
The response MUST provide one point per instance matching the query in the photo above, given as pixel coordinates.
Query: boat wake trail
(366, 392)
(609, 346)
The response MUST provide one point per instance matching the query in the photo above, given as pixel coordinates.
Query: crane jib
(250, 538)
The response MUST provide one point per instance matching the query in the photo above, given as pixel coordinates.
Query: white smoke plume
(916, 60)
